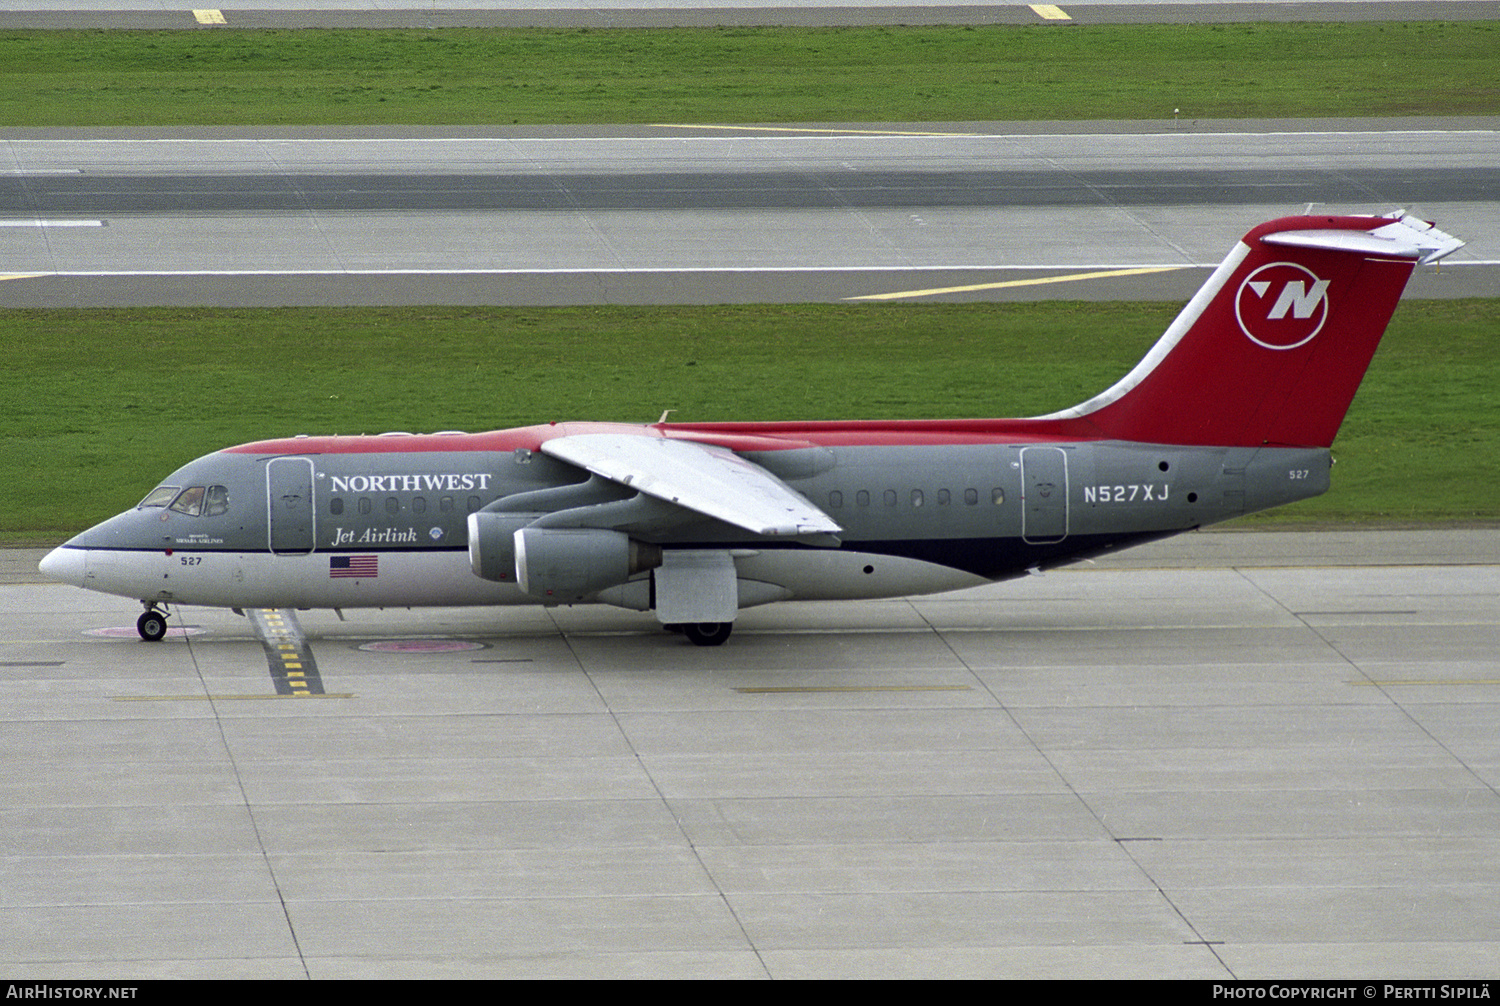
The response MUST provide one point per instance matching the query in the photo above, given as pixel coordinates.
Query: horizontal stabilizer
(1403, 237)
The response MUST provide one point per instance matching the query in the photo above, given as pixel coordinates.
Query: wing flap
(709, 480)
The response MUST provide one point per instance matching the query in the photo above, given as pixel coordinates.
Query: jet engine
(492, 547)
(570, 564)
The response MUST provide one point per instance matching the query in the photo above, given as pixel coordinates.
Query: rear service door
(1044, 488)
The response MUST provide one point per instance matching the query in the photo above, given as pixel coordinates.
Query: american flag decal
(353, 565)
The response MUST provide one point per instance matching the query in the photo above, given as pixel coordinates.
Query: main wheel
(708, 633)
(152, 626)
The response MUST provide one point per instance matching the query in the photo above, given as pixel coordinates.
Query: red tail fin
(1273, 347)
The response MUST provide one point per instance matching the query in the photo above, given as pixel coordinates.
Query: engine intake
(492, 547)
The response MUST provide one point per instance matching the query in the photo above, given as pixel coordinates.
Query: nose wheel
(152, 625)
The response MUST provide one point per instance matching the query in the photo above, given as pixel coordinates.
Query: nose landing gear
(152, 625)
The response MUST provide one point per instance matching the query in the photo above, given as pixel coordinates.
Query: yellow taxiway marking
(1042, 281)
(855, 688)
(1428, 681)
(1049, 12)
(808, 129)
(208, 16)
(227, 698)
(20, 275)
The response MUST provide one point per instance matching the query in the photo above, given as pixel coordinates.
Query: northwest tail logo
(1282, 305)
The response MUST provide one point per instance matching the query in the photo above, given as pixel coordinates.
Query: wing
(709, 480)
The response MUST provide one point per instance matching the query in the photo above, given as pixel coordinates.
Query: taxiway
(1275, 760)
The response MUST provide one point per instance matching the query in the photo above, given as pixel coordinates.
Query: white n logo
(1296, 297)
(1298, 312)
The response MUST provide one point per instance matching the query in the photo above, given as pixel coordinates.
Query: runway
(166, 14)
(1275, 760)
(702, 214)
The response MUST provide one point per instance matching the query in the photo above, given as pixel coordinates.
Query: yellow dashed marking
(1049, 12)
(1042, 281)
(208, 16)
(294, 669)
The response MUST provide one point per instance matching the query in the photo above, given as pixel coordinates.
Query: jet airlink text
(452, 483)
(376, 536)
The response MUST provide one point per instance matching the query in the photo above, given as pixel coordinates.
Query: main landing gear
(703, 633)
(152, 625)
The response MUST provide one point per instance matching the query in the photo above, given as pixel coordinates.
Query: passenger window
(160, 496)
(916, 497)
(943, 497)
(419, 504)
(217, 502)
(189, 501)
(474, 504)
(997, 496)
(971, 496)
(890, 497)
(392, 505)
(364, 504)
(862, 497)
(446, 504)
(835, 499)
(336, 505)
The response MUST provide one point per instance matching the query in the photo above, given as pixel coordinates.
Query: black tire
(708, 633)
(152, 626)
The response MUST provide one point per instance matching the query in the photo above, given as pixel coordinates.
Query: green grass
(103, 403)
(711, 75)
(106, 402)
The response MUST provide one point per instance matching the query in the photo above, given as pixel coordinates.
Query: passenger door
(290, 501)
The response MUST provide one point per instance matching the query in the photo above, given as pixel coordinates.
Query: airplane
(1232, 411)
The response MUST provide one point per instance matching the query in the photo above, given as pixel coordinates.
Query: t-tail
(1271, 350)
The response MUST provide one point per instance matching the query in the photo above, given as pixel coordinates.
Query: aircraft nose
(65, 564)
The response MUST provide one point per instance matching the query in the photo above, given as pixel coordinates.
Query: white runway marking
(51, 223)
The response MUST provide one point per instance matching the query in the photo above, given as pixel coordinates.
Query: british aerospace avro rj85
(1232, 411)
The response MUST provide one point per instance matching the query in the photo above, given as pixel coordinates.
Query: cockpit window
(217, 501)
(195, 501)
(160, 496)
(189, 501)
